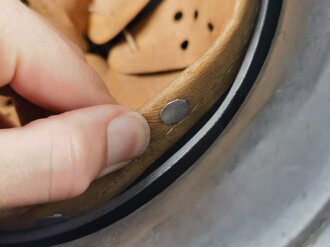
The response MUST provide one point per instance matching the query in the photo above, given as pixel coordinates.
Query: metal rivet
(175, 111)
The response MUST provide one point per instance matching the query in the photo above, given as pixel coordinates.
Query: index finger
(41, 66)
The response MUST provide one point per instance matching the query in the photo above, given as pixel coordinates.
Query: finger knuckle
(70, 158)
(77, 163)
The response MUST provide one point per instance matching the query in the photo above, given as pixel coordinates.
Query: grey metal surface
(321, 237)
(265, 182)
(175, 111)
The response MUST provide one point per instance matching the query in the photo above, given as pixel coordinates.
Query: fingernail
(128, 138)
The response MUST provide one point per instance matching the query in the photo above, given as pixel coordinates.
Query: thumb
(57, 158)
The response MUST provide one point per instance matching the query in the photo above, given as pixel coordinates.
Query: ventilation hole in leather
(210, 27)
(196, 14)
(178, 16)
(184, 45)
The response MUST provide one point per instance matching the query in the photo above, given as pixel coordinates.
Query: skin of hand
(56, 158)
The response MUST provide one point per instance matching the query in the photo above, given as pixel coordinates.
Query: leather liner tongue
(172, 37)
(109, 17)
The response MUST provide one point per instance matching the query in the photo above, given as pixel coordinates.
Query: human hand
(58, 157)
